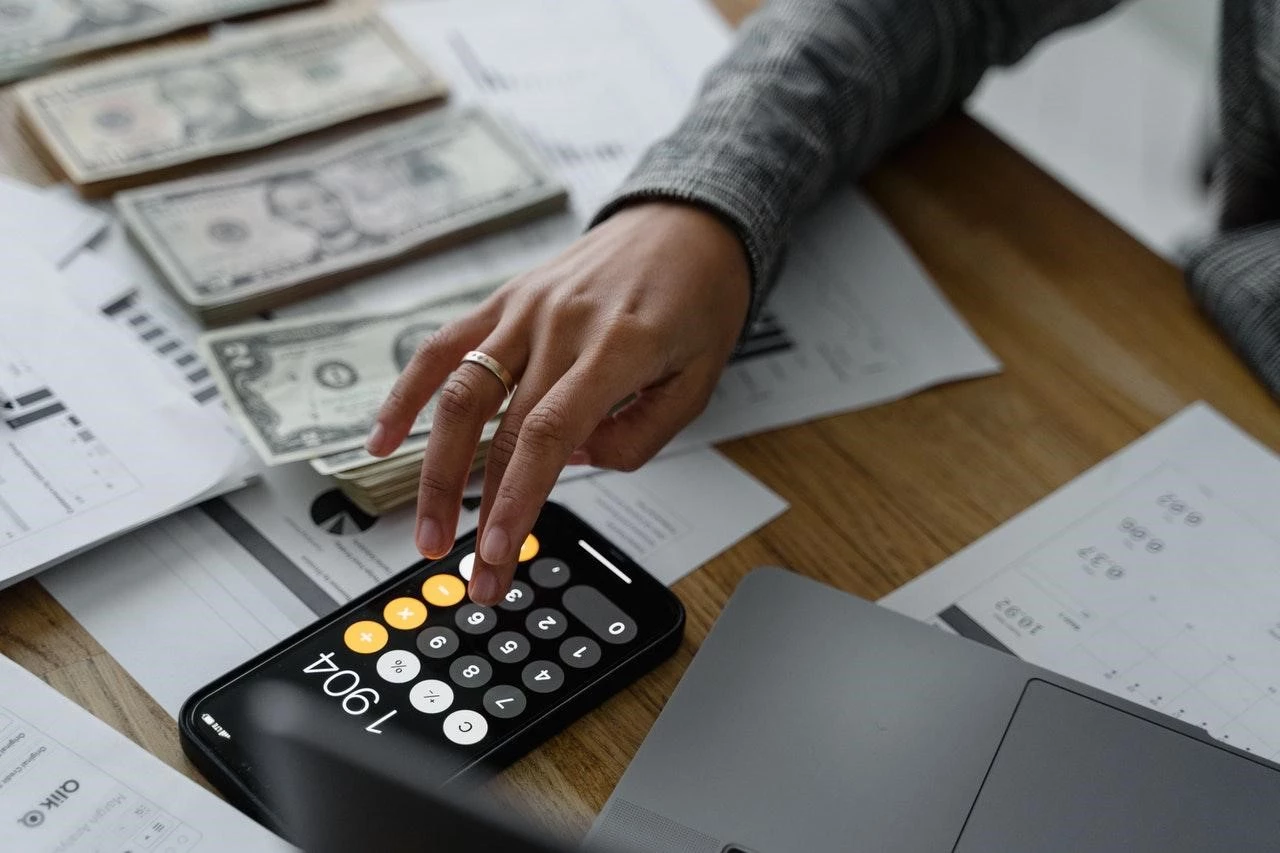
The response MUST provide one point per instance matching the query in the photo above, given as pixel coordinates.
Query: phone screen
(416, 663)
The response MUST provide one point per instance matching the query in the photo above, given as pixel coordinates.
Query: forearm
(814, 89)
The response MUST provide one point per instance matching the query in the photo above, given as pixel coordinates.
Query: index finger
(431, 364)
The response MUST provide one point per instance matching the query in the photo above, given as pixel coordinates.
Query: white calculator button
(465, 727)
(399, 667)
(466, 564)
(431, 696)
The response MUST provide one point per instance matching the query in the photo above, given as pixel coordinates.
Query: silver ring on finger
(492, 365)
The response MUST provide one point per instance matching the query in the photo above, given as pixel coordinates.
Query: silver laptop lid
(811, 720)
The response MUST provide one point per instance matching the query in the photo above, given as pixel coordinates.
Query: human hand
(648, 304)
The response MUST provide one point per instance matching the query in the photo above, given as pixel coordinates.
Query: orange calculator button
(365, 638)
(405, 613)
(444, 590)
(530, 548)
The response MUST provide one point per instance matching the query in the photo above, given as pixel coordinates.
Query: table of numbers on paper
(1156, 577)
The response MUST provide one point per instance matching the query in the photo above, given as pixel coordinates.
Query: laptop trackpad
(1073, 774)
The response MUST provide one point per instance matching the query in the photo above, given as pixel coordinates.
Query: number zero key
(602, 616)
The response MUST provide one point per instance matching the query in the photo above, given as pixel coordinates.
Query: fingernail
(494, 546)
(579, 457)
(484, 588)
(376, 437)
(429, 538)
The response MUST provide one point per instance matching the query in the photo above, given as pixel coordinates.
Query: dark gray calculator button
(546, 624)
(505, 702)
(438, 642)
(470, 671)
(549, 573)
(600, 614)
(580, 652)
(542, 676)
(519, 597)
(509, 647)
(475, 619)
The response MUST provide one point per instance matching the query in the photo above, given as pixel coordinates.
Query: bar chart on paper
(49, 457)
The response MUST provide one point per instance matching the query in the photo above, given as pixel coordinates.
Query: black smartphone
(414, 663)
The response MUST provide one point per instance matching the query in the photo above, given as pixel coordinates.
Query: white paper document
(69, 783)
(1155, 576)
(50, 222)
(853, 322)
(112, 283)
(1120, 114)
(93, 439)
(227, 580)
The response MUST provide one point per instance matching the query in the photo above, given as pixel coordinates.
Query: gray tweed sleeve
(818, 89)
(1235, 274)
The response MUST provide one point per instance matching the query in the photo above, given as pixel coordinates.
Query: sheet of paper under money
(35, 34)
(311, 387)
(137, 118)
(234, 244)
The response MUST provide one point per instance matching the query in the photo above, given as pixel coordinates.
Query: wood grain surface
(1100, 343)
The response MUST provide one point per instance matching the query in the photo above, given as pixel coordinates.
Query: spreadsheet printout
(1154, 576)
(75, 469)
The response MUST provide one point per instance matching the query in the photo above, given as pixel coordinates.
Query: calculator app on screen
(416, 662)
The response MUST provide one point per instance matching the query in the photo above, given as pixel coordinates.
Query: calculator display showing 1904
(415, 661)
(344, 685)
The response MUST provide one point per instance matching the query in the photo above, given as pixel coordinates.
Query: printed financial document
(1155, 576)
(69, 783)
(75, 469)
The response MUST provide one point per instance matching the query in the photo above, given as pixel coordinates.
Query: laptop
(811, 720)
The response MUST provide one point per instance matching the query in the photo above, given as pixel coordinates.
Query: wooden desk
(1100, 343)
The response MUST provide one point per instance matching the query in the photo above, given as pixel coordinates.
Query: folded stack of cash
(235, 244)
(310, 388)
(35, 34)
(381, 485)
(151, 114)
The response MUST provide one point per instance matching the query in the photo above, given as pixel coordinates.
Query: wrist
(718, 241)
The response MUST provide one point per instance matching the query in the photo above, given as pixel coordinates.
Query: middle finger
(545, 368)
(471, 396)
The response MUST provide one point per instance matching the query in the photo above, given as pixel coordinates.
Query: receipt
(71, 784)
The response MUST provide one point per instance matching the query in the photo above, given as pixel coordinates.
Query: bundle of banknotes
(36, 34)
(152, 114)
(235, 244)
(310, 388)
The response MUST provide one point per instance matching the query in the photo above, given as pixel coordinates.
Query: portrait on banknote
(304, 202)
(209, 101)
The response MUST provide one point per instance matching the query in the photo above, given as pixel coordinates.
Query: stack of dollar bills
(151, 114)
(238, 243)
(37, 34)
(309, 389)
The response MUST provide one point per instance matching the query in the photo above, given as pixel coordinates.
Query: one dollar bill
(239, 243)
(312, 386)
(110, 123)
(37, 33)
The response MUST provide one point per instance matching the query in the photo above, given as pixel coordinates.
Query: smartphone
(470, 688)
